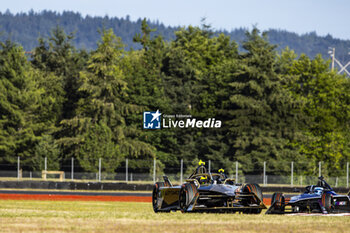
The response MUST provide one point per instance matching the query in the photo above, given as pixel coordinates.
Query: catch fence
(290, 174)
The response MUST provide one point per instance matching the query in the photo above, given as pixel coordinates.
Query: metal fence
(177, 174)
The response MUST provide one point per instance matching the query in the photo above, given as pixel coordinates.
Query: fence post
(154, 170)
(30, 174)
(209, 166)
(236, 171)
(45, 164)
(291, 179)
(347, 174)
(126, 170)
(264, 178)
(181, 172)
(319, 169)
(72, 173)
(18, 167)
(99, 169)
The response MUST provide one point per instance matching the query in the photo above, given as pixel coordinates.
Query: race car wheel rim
(327, 202)
(183, 198)
(155, 198)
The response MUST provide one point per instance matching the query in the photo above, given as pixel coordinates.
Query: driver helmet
(203, 180)
(318, 190)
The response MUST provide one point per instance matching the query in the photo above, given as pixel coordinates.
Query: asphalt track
(86, 193)
(92, 193)
(55, 195)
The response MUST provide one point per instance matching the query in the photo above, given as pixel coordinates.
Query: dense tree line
(25, 28)
(62, 102)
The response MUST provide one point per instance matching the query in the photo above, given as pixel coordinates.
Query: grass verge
(67, 216)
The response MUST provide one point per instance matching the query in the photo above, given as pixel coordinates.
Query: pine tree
(258, 111)
(102, 108)
(143, 72)
(46, 147)
(190, 68)
(58, 57)
(21, 124)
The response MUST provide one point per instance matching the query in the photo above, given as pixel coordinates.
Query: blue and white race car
(319, 198)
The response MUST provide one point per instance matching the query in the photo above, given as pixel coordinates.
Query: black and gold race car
(207, 192)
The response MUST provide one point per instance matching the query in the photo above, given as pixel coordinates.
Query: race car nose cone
(223, 188)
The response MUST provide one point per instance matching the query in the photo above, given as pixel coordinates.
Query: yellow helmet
(203, 179)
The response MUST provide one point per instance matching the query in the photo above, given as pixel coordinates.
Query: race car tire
(253, 188)
(279, 201)
(155, 194)
(258, 192)
(188, 192)
(327, 201)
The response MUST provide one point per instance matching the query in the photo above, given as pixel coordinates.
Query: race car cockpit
(319, 188)
(322, 183)
(204, 177)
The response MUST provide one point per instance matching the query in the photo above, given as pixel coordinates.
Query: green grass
(65, 216)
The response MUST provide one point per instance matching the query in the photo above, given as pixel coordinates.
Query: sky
(300, 16)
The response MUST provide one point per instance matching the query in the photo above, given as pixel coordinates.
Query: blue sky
(300, 16)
